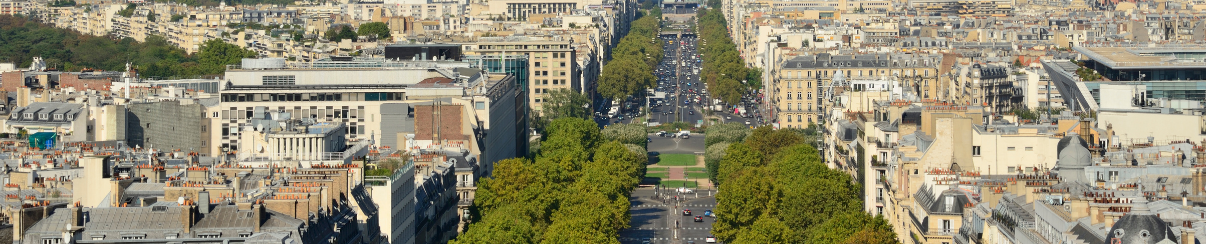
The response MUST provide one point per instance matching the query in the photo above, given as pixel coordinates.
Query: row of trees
(723, 69)
(774, 188)
(630, 70)
(575, 191)
(371, 29)
(22, 39)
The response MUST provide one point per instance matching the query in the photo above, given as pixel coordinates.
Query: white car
(685, 190)
(710, 239)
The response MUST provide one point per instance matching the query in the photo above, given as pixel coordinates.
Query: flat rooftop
(1186, 57)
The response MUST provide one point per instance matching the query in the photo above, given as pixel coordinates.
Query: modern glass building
(1173, 72)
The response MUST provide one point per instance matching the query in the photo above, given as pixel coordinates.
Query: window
(202, 128)
(809, 95)
(42, 116)
(538, 100)
(975, 150)
(1010, 149)
(789, 96)
(562, 64)
(269, 80)
(801, 94)
(58, 117)
(215, 115)
(52, 240)
(1113, 175)
(537, 91)
(1012, 169)
(536, 64)
(556, 82)
(479, 105)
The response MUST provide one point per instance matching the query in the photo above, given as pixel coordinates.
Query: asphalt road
(667, 145)
(680, 82)
(660, 217)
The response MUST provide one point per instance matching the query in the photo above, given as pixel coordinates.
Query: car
(708, 213)
(698, 218)
(661, 133)
(686, 212)
(710, 239)
(747, 122)
(728, 117)
(691, 112)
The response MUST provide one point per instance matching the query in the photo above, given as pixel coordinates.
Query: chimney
(186, 216)
(238, 183)
(203, 202)
(257, 210)
(77, 215)
(1187, 235)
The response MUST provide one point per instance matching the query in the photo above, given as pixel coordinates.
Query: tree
(215, 54)
(751, 195)
(712, 156)
(337, 34)
(128, 11)
(374, 29)
(177, 17)
(765, 230)
(562, 103)
(768, 141)
(736, 158)
(731, 132)
(625, 77)
(626, 133)
(842, 228)
(151, 16)
(504, 227)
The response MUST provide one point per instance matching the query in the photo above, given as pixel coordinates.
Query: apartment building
(13, 7)
(806, 84)
(552, 64)
(520, 10)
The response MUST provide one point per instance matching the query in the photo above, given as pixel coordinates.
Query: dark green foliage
(336, 34)
(21, 40)
(723, 69)
(62, 3)
(795, 198)
(177, 17)
(576, 191)
(128, 11)
(630, 70)
(378, 29)
(561, 103)
(151, 16)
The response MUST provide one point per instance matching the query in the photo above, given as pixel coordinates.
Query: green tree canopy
(561, 103)
(338, 33)
(377, 29)
(731, 132)
(626, 133)
(217, 54)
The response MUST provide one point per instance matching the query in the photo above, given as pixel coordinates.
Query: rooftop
(1147, 57)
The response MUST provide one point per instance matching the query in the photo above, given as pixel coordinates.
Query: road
(678, 77)
(674, 145)
(654, 216)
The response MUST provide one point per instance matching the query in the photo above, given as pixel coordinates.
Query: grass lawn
(653, 169)
(677, 160)
(679, 183)
(697, 176)
(696, 169)
(657, 175)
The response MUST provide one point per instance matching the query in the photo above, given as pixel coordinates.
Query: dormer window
(42, 116)
(58, 117)
(28, 115)
(70, 117)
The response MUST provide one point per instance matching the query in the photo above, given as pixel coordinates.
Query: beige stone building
(551, 63)
(805, 84)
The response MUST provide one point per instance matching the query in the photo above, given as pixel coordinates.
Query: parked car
(661, 133)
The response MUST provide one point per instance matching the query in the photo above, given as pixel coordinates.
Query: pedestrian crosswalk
(649, 206)
(648, 228)
(641, 239)
(697, 228)
(699, 205)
